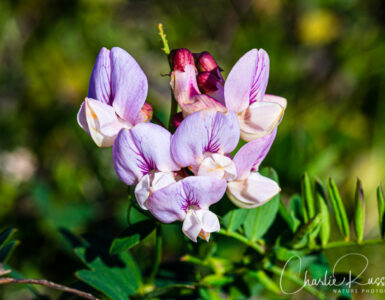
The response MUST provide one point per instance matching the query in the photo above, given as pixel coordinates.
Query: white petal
(150, 183)
(103, 124)
(192, 225)
(81, 118)
(252, 191)
(219, 166)
(276, 99)
(210, 223)
(259, 120)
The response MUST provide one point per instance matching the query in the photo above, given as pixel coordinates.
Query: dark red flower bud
(205, 62)
(207, 82)
(180, 58)
(177, 119)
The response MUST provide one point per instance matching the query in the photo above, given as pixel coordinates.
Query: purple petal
(204, 131)
(99, 87)
(139, 150)
(195, 192)
(247, 80)
(252, 154)
(128, 85)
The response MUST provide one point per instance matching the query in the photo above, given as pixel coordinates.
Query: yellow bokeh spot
(318, 27)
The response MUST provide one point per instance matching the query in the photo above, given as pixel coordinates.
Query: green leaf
(135, 214)
(359, 214)
(259, 219)
(216, 280)
(7, 246)
(307, 197)
(234, 218)
(324, 212)
(118, 277)
(284, 254)
(289, 218)
(297, 210)
(175, 290)
(301, 237)
(132, 236)
(6, 235)
(339, 209)
(381, 210)
(7, 250)
(265, 280)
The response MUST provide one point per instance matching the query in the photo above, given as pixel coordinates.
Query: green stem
(158, 253)
(340, 244)
(174, 104)
(173, 111)
(166, 48)
(280, 272)
(243, 240)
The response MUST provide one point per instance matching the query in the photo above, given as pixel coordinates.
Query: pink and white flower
(203, 141)
(142, 156)
(244, 94)
(250, 189)
(188, 200)
(116, 96)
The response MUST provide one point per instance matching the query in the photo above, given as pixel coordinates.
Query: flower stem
(243, 240)
(166, 48)
(158, 253)
(50, 284)
(340, 244)
(173, 111)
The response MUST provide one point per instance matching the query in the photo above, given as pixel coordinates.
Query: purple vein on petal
(190, 198)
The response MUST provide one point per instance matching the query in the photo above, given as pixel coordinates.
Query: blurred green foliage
(327, 59)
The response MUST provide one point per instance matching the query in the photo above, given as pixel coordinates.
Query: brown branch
(50, 284)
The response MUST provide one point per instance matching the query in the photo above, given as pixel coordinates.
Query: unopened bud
(177, 119)
(205, 62)
(180, 58)
(207, 82)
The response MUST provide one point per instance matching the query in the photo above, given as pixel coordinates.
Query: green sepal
(381, 210)
(324, 212)
(339, 209)
(307, 197)
(359, 214)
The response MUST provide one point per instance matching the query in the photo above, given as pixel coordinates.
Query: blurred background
(327, 59)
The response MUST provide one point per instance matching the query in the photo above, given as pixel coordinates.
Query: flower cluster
(178, 176)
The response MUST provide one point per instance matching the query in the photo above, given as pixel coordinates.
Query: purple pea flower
(244, 94)
(142, 156)
(188, 200)
(203, 141)
(116, 96)
(250, 189)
